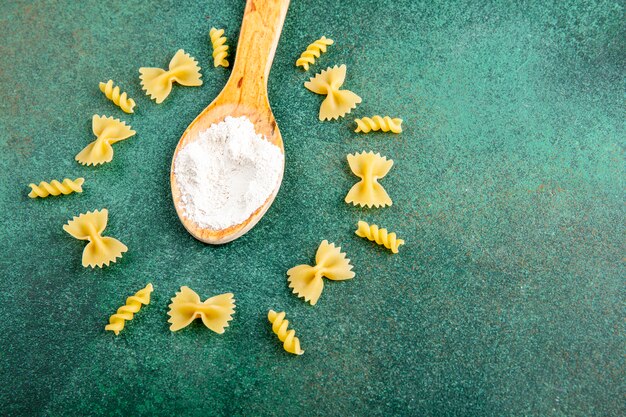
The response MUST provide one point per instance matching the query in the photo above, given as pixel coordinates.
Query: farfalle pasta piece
(157, 82)
(120, 99)
(330, 262)
(215, 312)
(312, 52)
(44, 189)
(100, 250)
(337, 102)
(386, 124)
(108, 131)
(280, 327)
(129, 309)
(369, 167)
(220, 49)
(380, 236)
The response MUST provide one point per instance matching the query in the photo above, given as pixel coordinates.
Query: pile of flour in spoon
(227, 173)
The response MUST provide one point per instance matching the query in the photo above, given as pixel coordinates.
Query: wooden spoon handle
(262, 23)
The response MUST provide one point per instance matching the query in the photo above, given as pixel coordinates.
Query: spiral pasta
(279, 326)
(54, 188)
(386, 124)
(157, 82)
(120, 100)
(128, 310)
(370, 168)
(330, 262)
(215, 312)
(100, 250)
(337, 102)
(313, 51)
(380, 236)
(220, 49)
(108, 131)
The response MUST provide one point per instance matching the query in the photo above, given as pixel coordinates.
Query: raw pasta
(375, 123)
(44, 189)
(369, 167)
(337, 102)
(215, 312)
(108, 131)
(113, 94)
(279, 326)
(380, 236)
(220, 49)
(313, 51)
(330, 262)
(157, 82)
(100, 250)
(128, 310)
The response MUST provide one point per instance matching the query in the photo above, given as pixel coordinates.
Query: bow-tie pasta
(157, 82)
(337, 102)
(330, 262)
(108, 131)
(215, 312)
(369, 167)
(100, 250)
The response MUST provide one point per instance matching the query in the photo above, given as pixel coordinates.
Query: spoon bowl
(245, 94)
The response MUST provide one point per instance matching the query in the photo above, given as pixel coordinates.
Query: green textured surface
(508, 186)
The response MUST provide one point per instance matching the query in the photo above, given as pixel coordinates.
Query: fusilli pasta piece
(129, 309)
(44, 189)
(215, 312)
(330, 262)
(386, 124)
(100, 250)
(313, 51)
(280, 327)
(108, 131)
(369, 167)
(120, 100)
(380, 236)
(337, 102)
(157, 82)
(220, 49)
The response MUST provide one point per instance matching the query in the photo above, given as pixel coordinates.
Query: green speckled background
(508, 186)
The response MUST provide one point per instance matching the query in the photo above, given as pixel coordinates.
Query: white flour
(226, 174)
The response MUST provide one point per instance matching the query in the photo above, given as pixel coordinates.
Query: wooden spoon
(245, 94)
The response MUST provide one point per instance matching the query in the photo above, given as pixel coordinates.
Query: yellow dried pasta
(380, 236)
(337, 102)
(108, 131)
(100, 250)
(54, 188)
(220, 49)
(330, 262)
(129, 309)
(157, 82)
(386, 124)
(312, 52)
(120, 99)
(370, 168)
(280, 327)
(215, 312)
